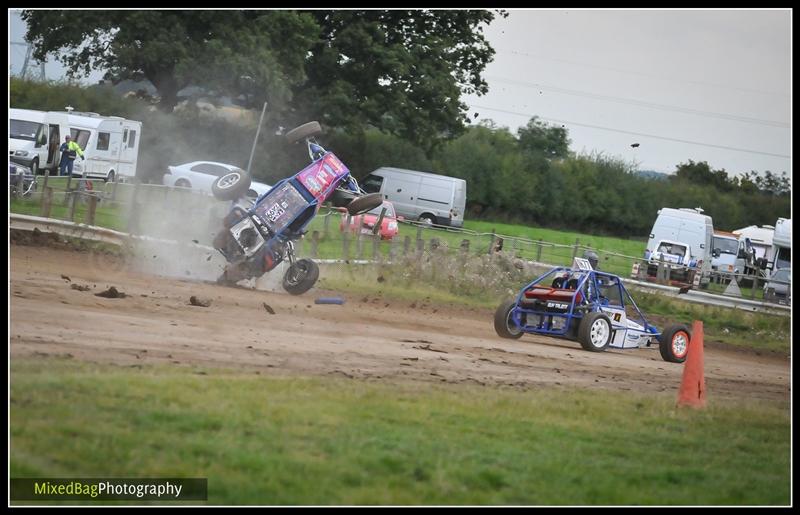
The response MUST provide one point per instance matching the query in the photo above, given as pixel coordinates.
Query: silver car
(779, 287)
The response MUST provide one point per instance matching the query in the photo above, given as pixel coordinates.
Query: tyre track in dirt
(368, 337)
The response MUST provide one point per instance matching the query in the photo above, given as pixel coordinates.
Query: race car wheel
(503, 325)
(674, 343)
(364, 203)
(594, 333)
(304, 131)
(231, 185)
(300, 277)
(342, 197)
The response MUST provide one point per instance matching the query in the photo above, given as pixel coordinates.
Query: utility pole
(253, 150)
(27, 62)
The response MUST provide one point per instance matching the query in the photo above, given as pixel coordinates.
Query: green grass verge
(627, 247)
(757, 331)
(324, 441)
(109, 215)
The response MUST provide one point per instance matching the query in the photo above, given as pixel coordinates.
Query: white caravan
(761, 238)
(782, 244)
(110, 145)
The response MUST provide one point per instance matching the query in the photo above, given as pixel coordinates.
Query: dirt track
(367, 337)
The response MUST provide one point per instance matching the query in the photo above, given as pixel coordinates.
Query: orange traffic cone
(693, 385)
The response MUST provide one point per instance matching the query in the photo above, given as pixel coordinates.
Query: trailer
(110, 145)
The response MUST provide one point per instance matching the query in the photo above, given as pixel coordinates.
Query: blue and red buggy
(590, 306)
(257, 236)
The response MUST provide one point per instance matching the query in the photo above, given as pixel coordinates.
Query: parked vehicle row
(110, 143)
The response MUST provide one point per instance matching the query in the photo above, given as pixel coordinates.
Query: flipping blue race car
(257, 236)
(593, 307)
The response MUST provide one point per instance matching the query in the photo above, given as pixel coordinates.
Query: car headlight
(392, 226)
(22, 153)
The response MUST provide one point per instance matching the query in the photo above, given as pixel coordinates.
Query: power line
(642, 103)
(701, 83)
(633, 133)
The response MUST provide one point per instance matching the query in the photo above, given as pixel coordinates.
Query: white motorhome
(761, 239)
(782, 244)
(35, 136)
(427, 197)
(110, 145)
(687, 226)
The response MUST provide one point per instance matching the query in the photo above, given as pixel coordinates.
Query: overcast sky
(613, 78)
(710, 85)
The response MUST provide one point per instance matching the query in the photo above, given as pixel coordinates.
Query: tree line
(529, 177)
(387, 86)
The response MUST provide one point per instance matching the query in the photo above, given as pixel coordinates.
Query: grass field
(289, 441)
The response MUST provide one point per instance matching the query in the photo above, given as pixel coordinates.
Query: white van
(34, 138)
(725, 253)
(782, 244)
(427, 197)
(110, 145)
(687, 226)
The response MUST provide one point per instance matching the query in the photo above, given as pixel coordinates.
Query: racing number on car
(275, 212)
(617, 317)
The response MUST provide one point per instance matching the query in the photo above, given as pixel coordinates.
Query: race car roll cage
(569, 298)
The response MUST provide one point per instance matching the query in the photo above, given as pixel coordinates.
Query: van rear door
(459, 202)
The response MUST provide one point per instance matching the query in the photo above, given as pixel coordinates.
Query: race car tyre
(342, 197)
(364, 203)
(304, 131)
(503, 324)
(300, 277)
(674, 343)
(231, 185)
(594, 333)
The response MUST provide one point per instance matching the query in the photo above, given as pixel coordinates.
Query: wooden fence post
(46, 177)
(91, 210)
(73, 202)
(47, 202)
(133, 210)
(346, 241)
(314, 243)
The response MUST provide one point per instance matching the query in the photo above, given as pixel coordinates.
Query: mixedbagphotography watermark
(108, 489)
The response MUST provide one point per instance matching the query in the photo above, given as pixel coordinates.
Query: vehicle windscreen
(726, 245)
(675, 250)
(782, 276)
(22, 129)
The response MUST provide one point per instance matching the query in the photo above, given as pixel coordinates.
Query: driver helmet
(592, 258)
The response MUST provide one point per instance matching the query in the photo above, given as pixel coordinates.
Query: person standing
(69, 151)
